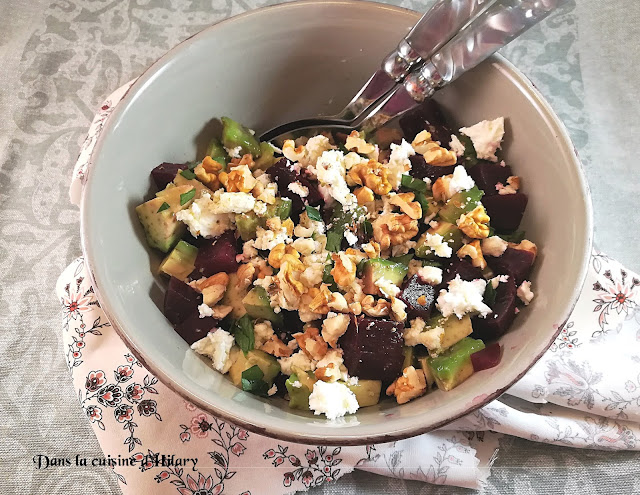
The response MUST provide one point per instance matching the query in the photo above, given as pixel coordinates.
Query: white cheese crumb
(438, 245)
(430, 274)
(387, 287)
(399, 162)
(463, 297)
(351, 238)
(486, 137)
(456, 146)
(524, 292)
(332, 362)
(262, 332)
(299, 359)
(267, 239)
(296, 384)
(216, 345)
(202, 220)
(205, 311)
(330, 172)
(494, 246)
(460, 181)
(299, 189)
(232, 202)
(334, 400)
(495, 281)
(416, 334)
(315, 147)
(260, 208)
(272, 390)
(234, 152)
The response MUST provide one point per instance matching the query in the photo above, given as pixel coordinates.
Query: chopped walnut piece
(432, 152)
(475, 223)
(311, 343)
(338, 303)
(525, 245)
(204, 282)
(239, 179)
(293, 153)
(245, 274)
(364, 195)
(374, 308)
(355, 308)
(318, 299)
(406, 203)
(410, 385)
(371, 249)
(278, 253)
(354, 141)
(220, 312)
(474, 251)
(344, 270)
(371, 174)
(513, 184)
(276, 347)
(392, 229)
(334, 327)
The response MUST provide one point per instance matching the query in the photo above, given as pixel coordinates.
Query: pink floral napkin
(584, 392)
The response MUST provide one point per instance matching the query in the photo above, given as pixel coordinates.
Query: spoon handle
(437, 26)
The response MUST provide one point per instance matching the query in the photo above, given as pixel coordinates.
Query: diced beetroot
(283, 174)
(420, 169)
(487, 174)
(462, 267)
(503, 313)
(413, 292)
(292, 322)
(166, 172)
(373, 349)
(219, 255)
(516, 263)
(486, 358)
(195, 328)
(505, 210)
(180, 301)
(428, 116)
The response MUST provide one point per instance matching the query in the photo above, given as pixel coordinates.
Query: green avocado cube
(161, 228)
(378, 268)
(180, 262)
(454, 366)
(367, 392)
(298, 393)
(258, 305)
(235, 134)
(267, 363)
(455, 330)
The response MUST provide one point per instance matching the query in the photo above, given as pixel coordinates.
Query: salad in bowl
(343, 269)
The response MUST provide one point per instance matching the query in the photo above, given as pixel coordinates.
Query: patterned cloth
(570, 397)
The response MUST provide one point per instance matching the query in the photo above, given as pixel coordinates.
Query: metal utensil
(451, 38)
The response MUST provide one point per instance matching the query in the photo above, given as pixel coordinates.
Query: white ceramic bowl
(291, 61)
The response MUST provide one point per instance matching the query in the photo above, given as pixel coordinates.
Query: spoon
(451, 38)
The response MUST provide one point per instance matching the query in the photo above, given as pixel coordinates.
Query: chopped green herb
(327, 278)
(492, 231)
(368, 229)
(469, 155)
(188, 196)
(242, 330)
(314, 214)
(414, 184)
(252, 381)
(515, 236)
(489, 294)
(188, 174)
(163, 206)
(437, 264)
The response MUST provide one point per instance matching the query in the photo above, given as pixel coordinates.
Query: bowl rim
(273, 430)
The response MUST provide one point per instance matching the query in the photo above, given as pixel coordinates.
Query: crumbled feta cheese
(315, 147)
(524, 292)
(351, 238)
(273, 390)
(260, 208)
(416, 334)
(430, 274)
(267, 239)
(205, 311)
(248, 250)
(232, 202)
(202, 220)
(234, 152)
(387, 287)
(262, 332)
(463, 297)
(486, 137)
(352, 159)
(330, 172)
(438, 245)
(332, 363)
(299, 189)
(494, 246)
(334, 400)
(460, 181)
(334, 327)
(399, 162)
(216, 345)
(296, 384)
(495, 281)
(456, 146)
(299, 359)
(352, 380)
(312, 275)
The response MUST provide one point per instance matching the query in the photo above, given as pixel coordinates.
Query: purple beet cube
(284, 173)
(180, 301)
(219, 255)
(420, 169)
(166, 172)
(503, 313)
(462, 267)
(516, 263)
(419, 297)
(428, 116)
(487, 174)
(373, 349)
(195, 328)
(505, 210)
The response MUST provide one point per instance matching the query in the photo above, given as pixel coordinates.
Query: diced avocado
(233, 297)
(429, 206)
(454, 366)
(307, 378)
(342, 221)
(378, 268)
(409, 356)
(181, 180)
(367, 392)
(257, 304)
(235, 134)
(247, 225)
(462, 202)
(266, 157)
(454, 330)
(217, 152)
(266, 362)
(450, 233)
(161, 228)
(298, 396)
(281, 208)
(181, 261)
(403, 260)
(424, 365)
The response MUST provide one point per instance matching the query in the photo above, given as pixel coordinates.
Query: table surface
(60, 58)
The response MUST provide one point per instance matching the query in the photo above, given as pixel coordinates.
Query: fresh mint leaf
(163, 206)
(314, 214)
(188, 174)
(188, 196)
(413, 184)
(515, 236)
(242, 330)
(489, 294)
(470, 156)
(252, 381)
